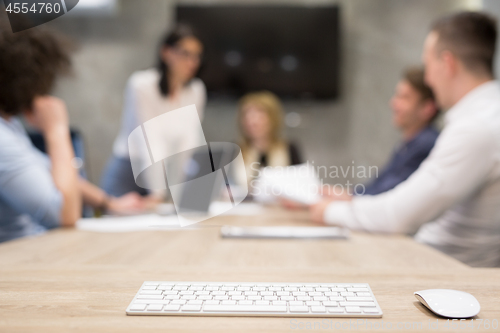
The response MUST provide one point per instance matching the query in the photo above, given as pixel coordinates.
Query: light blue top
(30, 203)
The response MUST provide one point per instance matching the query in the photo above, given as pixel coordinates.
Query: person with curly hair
(37, 191)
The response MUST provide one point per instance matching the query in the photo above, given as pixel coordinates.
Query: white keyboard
(180, 298)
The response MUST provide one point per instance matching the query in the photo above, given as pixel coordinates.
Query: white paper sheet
(128, 223)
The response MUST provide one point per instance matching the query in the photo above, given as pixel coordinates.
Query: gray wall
(379, 38)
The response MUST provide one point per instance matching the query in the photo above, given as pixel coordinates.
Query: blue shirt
(404, 161)
(30, 203)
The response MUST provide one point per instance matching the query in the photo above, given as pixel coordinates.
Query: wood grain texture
(70, 280)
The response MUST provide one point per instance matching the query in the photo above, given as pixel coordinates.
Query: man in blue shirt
(414, 110)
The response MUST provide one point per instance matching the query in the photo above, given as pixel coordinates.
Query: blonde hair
(271, 105)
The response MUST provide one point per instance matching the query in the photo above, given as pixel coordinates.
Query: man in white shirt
(452, 201)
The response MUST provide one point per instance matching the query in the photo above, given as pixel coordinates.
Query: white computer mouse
(449, 303)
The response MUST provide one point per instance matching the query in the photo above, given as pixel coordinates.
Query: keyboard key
(138, 307)
(271, 298)
(149, 288)
(283, 293)
(254, 298)
(171, 307)
(337, 299)
(320, 298)
(363, 294)
(170, 292)
(243, 308)
(178, 301)
(243, 288)
(150, 292)
(288, 298)
(299, 309)
(220, 298)
(212, 288)
(357, 289)
(261, 302)
(359, 299)
(193, 308)
(238, 297)
(303, 298)
(188, 297)
(296, 303)
(205, 297)
(315, 293)
(195, 302)
(245, 302)
(228, 302)
(279, 303)
(352, 309)
(347, 293)
(150, 297)
(332, 293)
(330, 303)
(364, 304)
(177, 287)
(155, 307)
(212, 302)
(164, 287)
(151, 301)
(172, 297)
(370, 310)
(186, 292)
(318, 309)
(336, 310)
(313, 303)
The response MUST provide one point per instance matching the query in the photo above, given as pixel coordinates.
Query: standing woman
(150, 93)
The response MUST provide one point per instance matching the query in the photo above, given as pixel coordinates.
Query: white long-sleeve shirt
(452, 201)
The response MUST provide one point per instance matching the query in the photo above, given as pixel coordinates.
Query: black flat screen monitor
(292, 51)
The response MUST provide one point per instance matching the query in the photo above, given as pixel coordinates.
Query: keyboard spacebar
(243, 308)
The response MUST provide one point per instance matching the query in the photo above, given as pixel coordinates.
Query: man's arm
(456, 167)
(127, 204)
(50, 116)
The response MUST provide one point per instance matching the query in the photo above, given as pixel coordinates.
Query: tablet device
(285, 232)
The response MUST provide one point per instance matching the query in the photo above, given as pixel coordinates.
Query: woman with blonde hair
(260, 119)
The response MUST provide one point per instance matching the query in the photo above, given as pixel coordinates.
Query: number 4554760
(35, 8)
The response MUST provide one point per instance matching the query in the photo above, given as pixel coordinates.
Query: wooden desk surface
(70, 280)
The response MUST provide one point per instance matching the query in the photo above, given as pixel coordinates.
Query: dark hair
(30, 61)
(415, 76)
(471, 37)
(180, 32)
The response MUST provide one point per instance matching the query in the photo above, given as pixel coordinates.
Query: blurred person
(260, 120)
(452, 201)
(37, 191)
(150, 93)
(414, 110)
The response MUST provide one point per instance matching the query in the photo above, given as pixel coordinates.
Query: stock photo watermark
(27, 14)
(313, 179)
(374, 325)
